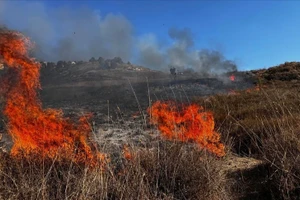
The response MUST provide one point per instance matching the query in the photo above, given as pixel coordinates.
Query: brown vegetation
(167, 171)
(264, 124)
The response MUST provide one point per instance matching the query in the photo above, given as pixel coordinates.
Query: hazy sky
(253, 34)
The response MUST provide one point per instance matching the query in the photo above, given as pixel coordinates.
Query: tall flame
(33, 129)
(187, 123)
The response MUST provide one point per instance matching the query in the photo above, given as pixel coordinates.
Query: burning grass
(33, 129)
(51, 157)
(187, 123)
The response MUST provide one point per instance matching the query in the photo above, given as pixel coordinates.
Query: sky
(224, 34)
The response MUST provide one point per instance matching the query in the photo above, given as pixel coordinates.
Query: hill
(256, 114)
(289, 71)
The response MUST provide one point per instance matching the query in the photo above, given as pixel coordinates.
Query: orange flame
(232, 77)
(256, 88)
(187, 123)
(32, 128)
(127, 153)
(233, 92)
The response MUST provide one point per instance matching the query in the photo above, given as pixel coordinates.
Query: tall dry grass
(265, 125)
(168, 171)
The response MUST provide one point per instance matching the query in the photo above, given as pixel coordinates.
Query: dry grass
(169, 171)
(265, 125)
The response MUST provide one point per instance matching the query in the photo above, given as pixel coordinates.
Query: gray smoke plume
(182, 55)
(69, 34)
(183, 37)
(80, 33)
(150, 54)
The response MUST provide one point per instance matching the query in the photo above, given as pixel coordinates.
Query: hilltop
(92, 70)
(288, 71)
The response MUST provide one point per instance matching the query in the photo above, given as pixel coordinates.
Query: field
(256, 116)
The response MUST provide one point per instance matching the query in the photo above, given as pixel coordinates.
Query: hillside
(289, 71)
(96, 82)
(256, 116)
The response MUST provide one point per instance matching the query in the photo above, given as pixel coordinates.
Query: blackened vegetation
(91, 84)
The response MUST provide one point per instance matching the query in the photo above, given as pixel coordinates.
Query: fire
(233, 92)
(187, 123)
(32, 128)
(232, 77)
(127, 153)
(256, 88)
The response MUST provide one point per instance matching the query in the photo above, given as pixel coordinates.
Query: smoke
(79, 33)
(182, 54)
(150, 54)
(69, 34)
(183, 37)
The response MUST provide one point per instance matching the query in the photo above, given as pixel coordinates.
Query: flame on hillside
(33, 129)
(187, 123)
(232, 77)
(127, 152)
(233, 92)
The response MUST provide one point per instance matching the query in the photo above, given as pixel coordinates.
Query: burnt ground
(119, 97)
(120, 91)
